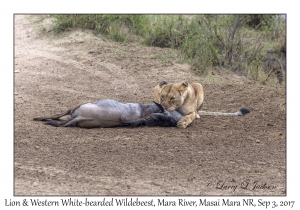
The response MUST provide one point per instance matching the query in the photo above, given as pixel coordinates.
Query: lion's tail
(241, 112)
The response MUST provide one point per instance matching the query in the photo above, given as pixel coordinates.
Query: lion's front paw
(181, 124)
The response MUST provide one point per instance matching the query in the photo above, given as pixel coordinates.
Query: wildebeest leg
(57, 123)
(75, 120)
(57, 116)
(53, 117)
(65, 123)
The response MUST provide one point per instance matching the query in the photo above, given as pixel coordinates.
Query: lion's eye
(172, 98)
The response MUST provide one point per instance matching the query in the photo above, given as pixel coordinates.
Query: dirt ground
(213, 156)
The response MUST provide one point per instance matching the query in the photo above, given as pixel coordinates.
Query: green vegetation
(250, 45)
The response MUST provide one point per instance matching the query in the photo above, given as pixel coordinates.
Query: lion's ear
(183, 87)
(162, 84)
(185, 84)
(156, 91)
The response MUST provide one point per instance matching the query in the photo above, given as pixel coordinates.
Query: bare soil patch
(210, 157)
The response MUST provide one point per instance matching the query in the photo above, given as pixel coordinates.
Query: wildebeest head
(163, 119)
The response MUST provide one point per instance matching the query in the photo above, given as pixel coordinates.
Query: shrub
(229, 41)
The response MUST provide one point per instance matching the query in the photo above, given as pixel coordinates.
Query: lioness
(187, 99)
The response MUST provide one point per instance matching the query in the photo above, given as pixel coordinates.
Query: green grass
(115, 27)
(235, 42)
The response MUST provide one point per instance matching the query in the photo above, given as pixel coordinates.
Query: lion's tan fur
(186, 98)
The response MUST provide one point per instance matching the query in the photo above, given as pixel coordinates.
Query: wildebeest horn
(159, 106)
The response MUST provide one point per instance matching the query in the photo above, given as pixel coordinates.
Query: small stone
(257, 141)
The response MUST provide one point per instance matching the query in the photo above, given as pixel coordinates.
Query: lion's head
(171, 96)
